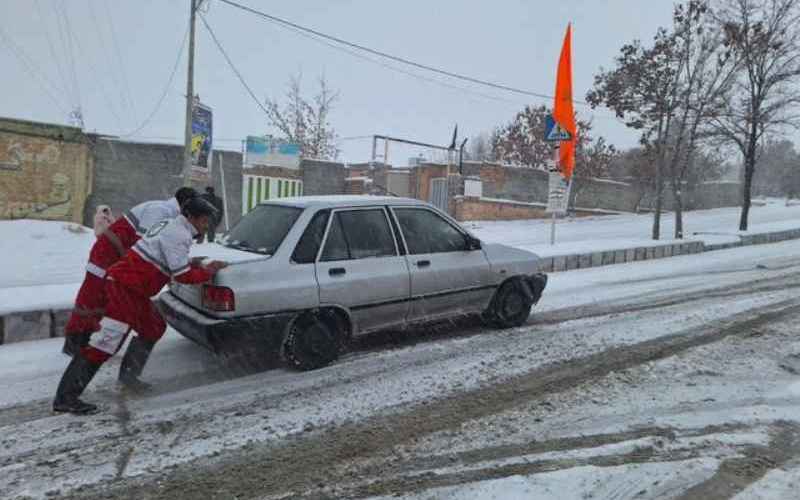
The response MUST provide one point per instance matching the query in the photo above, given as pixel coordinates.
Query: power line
(57, 60)
(231, 65)
(119, 60)
(124, 105)
(385, 55)
(393, 68)
(71, 53)
(109, 98)
(32, 69)
(166, 89)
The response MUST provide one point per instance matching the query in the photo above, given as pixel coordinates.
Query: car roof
(334, 201)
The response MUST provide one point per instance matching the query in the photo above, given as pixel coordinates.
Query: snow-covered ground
(202, 408)
(597, 233)
(656, 379)
(45, 261)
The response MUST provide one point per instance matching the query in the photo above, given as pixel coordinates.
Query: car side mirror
(473, 243)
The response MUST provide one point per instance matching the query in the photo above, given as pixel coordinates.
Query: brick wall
(420, 179)
(467, 208)
(471, 208)
(45, 171)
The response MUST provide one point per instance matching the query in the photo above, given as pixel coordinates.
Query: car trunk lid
(192, 294)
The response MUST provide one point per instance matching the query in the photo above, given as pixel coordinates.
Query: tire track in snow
(304, 462)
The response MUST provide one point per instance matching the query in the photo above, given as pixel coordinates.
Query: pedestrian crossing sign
(554, 132)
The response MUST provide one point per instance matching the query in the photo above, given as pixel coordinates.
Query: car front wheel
(311, 343)
(510, 307)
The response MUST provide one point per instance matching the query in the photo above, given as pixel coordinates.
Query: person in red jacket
(110, 246)
(162, 255)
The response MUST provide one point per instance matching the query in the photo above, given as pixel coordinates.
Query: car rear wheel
(312, 342)
(510, 307)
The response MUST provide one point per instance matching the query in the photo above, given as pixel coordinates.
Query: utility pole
(187, 144)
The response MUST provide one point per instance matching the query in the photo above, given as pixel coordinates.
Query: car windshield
(263, 229)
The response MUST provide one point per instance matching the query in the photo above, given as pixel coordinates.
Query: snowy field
(672, 378)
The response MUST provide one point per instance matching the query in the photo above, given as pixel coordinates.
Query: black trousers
(212, 230)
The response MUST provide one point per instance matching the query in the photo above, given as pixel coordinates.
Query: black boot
(75, 379)
(133, 363)
(73, 342)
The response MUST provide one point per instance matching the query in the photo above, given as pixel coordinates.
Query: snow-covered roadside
(43, 264)
(45, 261)
(719, 222)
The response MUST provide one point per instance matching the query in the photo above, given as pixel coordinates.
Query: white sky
(514, 42)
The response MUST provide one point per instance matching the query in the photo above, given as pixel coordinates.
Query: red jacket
(162, 255)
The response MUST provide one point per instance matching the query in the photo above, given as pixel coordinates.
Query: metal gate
(438, 193)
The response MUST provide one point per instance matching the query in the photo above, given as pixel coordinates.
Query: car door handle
(423, 263)
(336, 271)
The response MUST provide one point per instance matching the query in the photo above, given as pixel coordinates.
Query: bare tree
(306, 122)
(669, 91)
(642, 90)
(709, 70)
(521, 142)
(764, 34)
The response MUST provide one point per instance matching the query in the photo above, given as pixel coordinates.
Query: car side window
(427, 232)
(336, 247)
(307, 248)
(359, 234)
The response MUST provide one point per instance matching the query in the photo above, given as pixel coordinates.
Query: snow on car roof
(343, 201)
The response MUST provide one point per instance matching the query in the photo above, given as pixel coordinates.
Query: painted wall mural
(43, 178)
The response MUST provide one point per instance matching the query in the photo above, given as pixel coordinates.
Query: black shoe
(73, 342)
(133, 364)
(76, 406)
(75, 379)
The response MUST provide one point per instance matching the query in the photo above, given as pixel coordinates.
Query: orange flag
(562, 107)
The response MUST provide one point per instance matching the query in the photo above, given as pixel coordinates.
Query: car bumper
(218, 334)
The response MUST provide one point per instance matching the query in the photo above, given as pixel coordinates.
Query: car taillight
(218, 298)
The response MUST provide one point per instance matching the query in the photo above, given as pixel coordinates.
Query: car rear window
(263, 229)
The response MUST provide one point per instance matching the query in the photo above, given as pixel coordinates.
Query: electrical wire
(322, 37)
(167, 87)
(57, 60)
(109, 97)
(124, 105)
(393, 68)
(231, 65)
(32, 70)
(399, 59)
(70, 52)
(119, 59)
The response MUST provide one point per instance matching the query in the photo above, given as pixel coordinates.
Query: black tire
(510, 306)
(312, 342)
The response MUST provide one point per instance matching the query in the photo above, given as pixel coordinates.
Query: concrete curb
(558, 263)
(36, 325)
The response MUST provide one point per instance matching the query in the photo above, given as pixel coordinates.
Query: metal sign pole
(553, 223)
